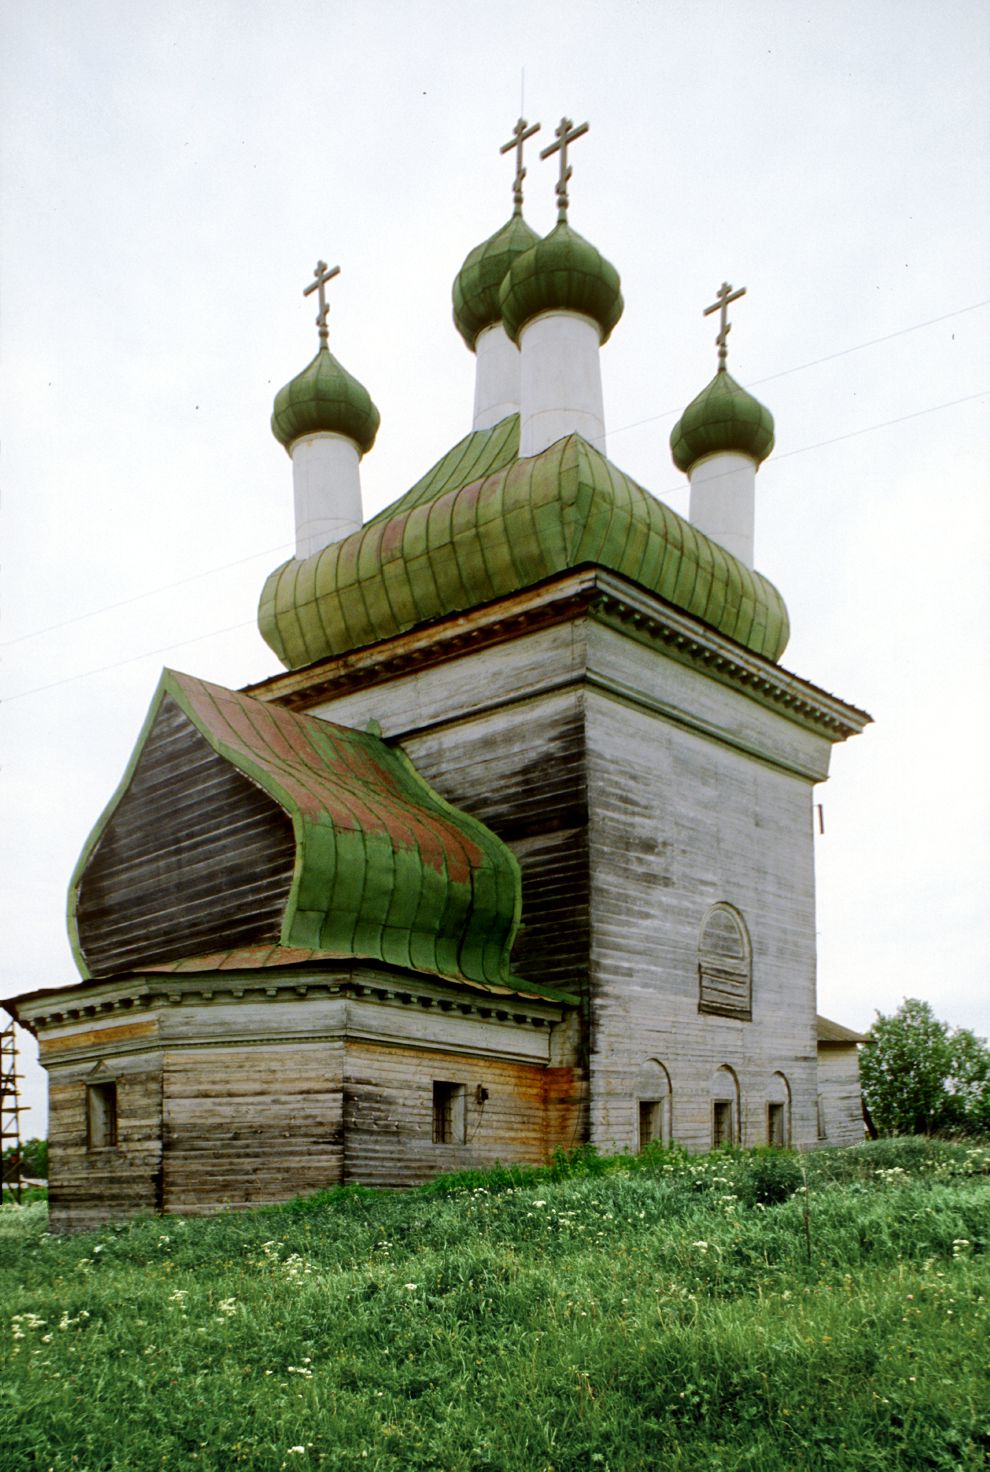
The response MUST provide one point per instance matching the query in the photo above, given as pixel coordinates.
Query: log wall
(245, 1126)
(500, 733)
(90, 1186)
(683, 816)
(389, 1112)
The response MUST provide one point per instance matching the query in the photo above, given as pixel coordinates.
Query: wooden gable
(195, 857)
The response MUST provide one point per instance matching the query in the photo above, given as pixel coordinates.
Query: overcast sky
(172, 172)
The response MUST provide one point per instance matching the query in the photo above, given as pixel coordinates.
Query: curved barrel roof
(484, 524)
(334, 843)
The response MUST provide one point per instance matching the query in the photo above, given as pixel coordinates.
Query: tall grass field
(737, 1310)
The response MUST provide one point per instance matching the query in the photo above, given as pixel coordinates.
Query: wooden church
(516, 853)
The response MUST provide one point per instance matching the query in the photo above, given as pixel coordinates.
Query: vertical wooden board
(841, 1095)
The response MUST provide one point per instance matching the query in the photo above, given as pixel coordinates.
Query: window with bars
(449, 1112)
(723, 1123)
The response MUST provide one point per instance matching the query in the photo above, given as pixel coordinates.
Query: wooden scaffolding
(10, 1113)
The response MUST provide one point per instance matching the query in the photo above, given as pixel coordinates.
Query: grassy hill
(703, 1313)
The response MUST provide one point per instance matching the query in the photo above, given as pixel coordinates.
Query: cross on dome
(521, 132)
(323, 275)
(565, 133)
(724, 296)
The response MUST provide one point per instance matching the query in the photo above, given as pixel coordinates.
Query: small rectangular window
(449, 1113)
(776, 1125)
(101, 1115)
(722, 1124)
(822, 1127)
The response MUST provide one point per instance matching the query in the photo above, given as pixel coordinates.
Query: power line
(622, 429)
(131, 659)
(79, 618)
(888, 337)
(214, 633)
(814, 363)
(886, 423)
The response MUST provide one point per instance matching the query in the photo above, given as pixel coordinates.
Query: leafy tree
(34, 1159)
(920, 1076)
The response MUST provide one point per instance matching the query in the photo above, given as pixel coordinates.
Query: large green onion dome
(477, 283)
(724, 417)
(324, 397)
(562, 273)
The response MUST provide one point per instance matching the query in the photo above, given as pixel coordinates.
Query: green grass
(660, 1312)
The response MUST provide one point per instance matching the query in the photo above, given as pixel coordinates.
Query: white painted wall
(723, 502)
(561, 382)
(326, 482)
(496, 382)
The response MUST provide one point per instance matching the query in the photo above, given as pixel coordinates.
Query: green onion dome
(562, 273)
(324, 397)
(724, 417)
(476, 284)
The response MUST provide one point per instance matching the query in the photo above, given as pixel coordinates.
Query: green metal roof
(723, 417)
(385, 868)
(466, 535)
(477, 283)
(325, 397)
(563, 272)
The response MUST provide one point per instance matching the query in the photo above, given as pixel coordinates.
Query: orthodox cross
(322, 277)
(724, 296)
(521, 132)
(565, 134)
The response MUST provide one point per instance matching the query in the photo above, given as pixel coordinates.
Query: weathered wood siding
(500, 733)
(388, 1112)
(90, 1186)
(244, 1126)
(681, 818)
(195, 858)
(840, 1094)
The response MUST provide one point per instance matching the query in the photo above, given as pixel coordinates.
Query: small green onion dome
(562, 273)
(325, 397)
(476, 284)
(724, 417)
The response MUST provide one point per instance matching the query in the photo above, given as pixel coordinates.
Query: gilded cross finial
(521, 132)
(322, 277)
(565, 133)
(724, 296)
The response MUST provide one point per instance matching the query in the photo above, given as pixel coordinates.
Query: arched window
(725, 967)
(724, 1092)
(653, 1104)
(779, 1112)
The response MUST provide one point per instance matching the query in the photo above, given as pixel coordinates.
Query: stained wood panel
(89, 1187)
(521, 1113)
(246, 1126)
(195, 858)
